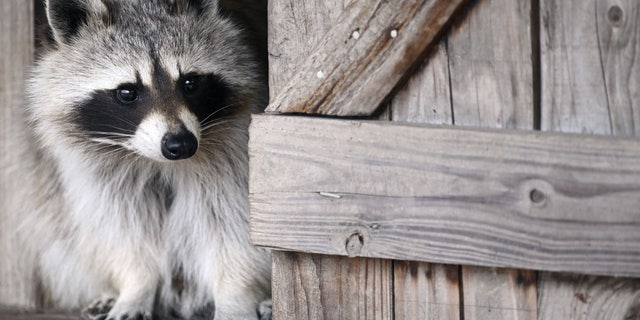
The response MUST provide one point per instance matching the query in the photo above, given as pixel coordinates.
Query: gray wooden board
(590, 83)
(426, 290)
(364, 57)
(295, 29)
(491, 69)
(330, 287)
(426, 98)
(618, 27)
(490, 293)
(309, 286)
(566, 296)
(478, 197)
(16, 51)
(590, 66)
(490, 58)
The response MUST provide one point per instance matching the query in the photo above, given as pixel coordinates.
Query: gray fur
(114, 229)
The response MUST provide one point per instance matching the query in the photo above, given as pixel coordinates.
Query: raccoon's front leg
(240, 302)
(137, 293)
(134, 301)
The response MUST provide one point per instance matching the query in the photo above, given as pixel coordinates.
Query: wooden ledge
(532, 200)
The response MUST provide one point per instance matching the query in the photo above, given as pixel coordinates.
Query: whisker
(215, 124)
(111, 134)
(217, 111)
(220, 130)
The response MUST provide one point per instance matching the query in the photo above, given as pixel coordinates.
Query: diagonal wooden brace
(365, 57)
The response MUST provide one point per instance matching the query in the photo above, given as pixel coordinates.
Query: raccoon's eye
(127, 94)
(191, 85)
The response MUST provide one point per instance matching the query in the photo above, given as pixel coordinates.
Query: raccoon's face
(162, 117)
(157, 78)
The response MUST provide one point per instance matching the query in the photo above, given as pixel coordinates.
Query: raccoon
(139, 113)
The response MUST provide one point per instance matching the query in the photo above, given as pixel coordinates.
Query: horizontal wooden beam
(517, 199)
(365, 57)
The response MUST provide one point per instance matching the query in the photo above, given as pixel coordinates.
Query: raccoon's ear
(66, 17)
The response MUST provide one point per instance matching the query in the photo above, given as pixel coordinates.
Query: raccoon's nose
(179, 146)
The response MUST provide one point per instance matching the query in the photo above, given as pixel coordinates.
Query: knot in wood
(537, 196)
(354, 244)
(615, 14)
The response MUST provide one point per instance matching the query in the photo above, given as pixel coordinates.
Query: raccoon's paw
(136, 315)
(265, 309)
(98, 309)
(131, 314)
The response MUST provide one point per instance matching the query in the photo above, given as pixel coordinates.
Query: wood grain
(591, 64)
(490, 56)
(491, 67)
(490, 293)
(318, 286)
(478, 197)
(590, 67)
(426, 291)
(426, 97)
(295, 29)
(567, 296)
(16, 36)
(618, 37)
(423, 290)
(364, 57)
(329, 287)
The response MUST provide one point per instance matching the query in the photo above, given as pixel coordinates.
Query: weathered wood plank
(329, 287)
(490, 54)
(426, 291)
(364, 57)
(573, 92)
(618, 37)
(564, 296)
(510, 199)
(295, 29)
(491, 65)
(426, 97)
(590, 81)
(16, 36)
(590, 67)
(499, 293)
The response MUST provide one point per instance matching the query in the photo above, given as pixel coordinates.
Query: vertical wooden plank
(491, 65)
(426, 291)
(618, 38)
(564, 296)
(312, 286)
(490, 56)
(590, 52)
(329, 287)
(295, 28)
(423, 290)
(426, 98)
(499, 293)
(574, 98)
(16, 37)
